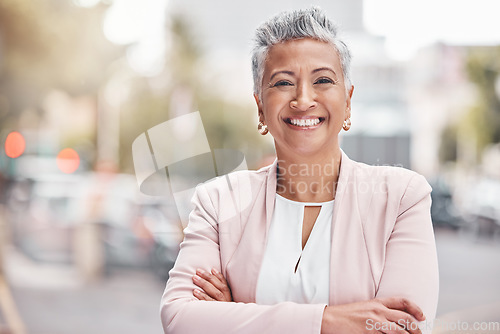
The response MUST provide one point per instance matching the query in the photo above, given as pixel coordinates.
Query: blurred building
(439, 95)
(381, 130)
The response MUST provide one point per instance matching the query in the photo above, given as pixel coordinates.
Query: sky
(410, 24)
(407, 25)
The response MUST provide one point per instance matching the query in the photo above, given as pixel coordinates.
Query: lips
(304, 122)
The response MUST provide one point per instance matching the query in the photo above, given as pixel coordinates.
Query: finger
(223, 286)
(201, 295)
(202, 283)
(212, 278)
(404, 304)
(219, 276)
(208, 288)
(218, 281)
(208, 276)
(405, 320)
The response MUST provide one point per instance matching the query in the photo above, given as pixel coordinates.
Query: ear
(259, 108)
(348, 102)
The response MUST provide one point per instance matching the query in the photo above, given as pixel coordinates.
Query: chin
(306, 149)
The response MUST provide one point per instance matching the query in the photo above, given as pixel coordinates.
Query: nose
(305, 98)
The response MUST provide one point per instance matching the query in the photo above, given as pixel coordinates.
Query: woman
(314, 243)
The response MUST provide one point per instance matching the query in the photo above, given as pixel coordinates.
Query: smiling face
(304, 101)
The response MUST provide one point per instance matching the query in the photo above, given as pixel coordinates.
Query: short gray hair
(297, 24)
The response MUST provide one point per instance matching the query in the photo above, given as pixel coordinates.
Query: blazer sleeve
(182, 313)
(411, 267)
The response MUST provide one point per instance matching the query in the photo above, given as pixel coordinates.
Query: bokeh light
(14, 144)
(68, 160)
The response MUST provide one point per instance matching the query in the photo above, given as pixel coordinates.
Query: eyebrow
(279, 72)
(314, 71)
(325, 69)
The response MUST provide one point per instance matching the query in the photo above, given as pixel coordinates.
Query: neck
(308, 178)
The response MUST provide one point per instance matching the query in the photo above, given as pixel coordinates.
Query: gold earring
(262, 128)
(347, 124)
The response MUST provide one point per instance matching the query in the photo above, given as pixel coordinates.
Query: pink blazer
(382, 246)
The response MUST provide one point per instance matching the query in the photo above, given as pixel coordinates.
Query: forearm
(190, 316)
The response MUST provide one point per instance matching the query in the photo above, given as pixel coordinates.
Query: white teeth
(304, 122)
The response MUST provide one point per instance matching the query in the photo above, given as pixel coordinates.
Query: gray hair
(296, 24)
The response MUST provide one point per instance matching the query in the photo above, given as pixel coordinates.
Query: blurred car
(42, 213)
(483, 208)
(444, 213)
(162, 220)
(46, 211)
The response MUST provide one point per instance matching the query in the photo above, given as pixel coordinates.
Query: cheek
(273, 104)
(336, 106)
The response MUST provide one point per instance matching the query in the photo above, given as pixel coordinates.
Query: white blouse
(278, 281)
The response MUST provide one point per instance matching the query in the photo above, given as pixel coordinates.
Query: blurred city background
(83, 250)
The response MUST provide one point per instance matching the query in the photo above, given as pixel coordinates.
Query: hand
(385, 315)
(213, 286)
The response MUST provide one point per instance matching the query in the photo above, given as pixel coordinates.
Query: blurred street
(469, 273)
(52, 299)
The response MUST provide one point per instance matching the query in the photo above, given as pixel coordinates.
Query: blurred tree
(483, 119)
(53, 44)
(448, 147)
(47, 45)
(184, 89)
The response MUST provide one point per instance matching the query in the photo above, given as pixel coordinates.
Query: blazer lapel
(345, 170)
(261, 233)
(244, 265)
(270, 194)
(351, 277)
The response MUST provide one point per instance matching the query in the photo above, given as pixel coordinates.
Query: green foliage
(448, 148)
(227, 124)
(47, 45)
(483, 119)
(53, 44)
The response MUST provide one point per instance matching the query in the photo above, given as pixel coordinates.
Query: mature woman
(315, 242)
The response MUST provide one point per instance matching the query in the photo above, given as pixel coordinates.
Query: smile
(304, 122)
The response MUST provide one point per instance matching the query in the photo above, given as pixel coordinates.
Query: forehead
(301, 55)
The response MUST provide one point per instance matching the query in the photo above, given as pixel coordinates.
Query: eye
(324, 81)
(282, 83)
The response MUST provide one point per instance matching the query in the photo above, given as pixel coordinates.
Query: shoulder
(385, 192)
(238, 188)
(398, 181)
(236, 180)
